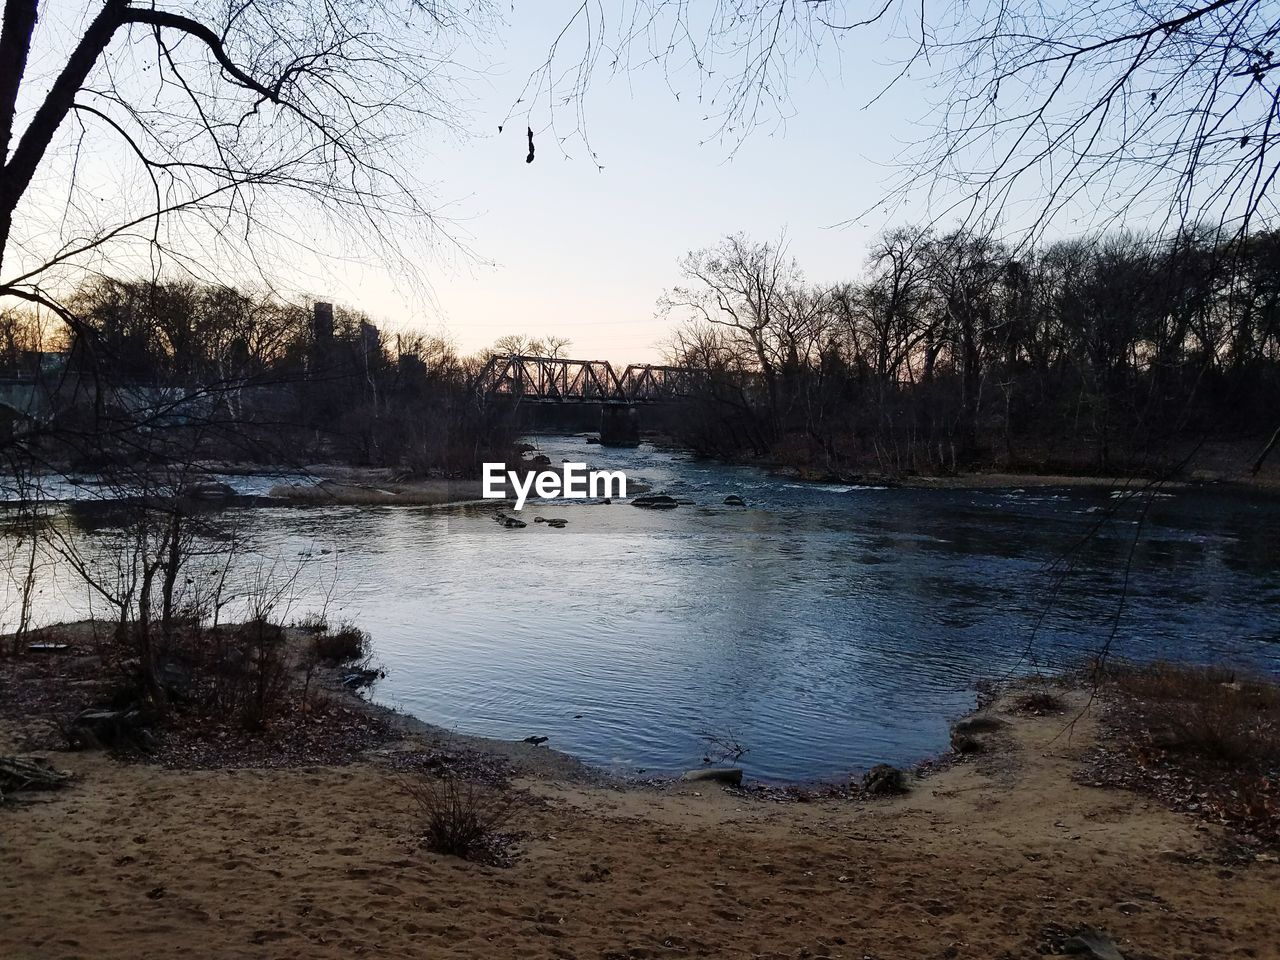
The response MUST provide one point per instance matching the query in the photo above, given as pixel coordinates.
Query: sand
(1000, 857)
(409, 492)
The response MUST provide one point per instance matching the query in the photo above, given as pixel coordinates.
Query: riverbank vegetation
(256, 693)
(246, 376)
(955, 350)
(1203, 740)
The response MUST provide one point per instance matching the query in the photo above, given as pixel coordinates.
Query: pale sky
(558, 247)
(585, 254)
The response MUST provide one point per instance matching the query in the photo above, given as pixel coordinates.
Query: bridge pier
(619, 425)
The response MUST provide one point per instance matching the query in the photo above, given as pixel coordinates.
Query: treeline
(237, 374)
(958, 349)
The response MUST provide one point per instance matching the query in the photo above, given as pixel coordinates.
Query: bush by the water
(460, 818)
(313, 623)
(254, 679)
(347, 644)
(1205, 739)
(1214, 715)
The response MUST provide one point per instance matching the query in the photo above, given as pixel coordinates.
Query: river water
(825, 628)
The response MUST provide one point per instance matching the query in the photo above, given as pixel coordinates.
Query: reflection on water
(828, 628)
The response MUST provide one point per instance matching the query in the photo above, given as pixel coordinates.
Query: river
(825, 628)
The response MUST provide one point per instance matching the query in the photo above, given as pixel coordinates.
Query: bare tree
(740, 285)
(20, 543)
(889, 317)
(1086, 116)
(522, 345)
(249, 124)
(1164, 112)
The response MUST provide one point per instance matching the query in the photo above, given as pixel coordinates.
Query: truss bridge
(543, 380)
(546, 380)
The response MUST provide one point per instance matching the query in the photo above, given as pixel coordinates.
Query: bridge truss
(544, 380)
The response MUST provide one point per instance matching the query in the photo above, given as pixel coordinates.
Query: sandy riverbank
(408, 492)
(1225, 463)
(342, 484)
(1004, 855)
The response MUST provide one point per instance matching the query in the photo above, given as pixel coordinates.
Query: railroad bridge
(522, 379)
(23, 401)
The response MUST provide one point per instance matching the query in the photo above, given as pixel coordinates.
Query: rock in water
(209, 490)
(1092, 943)
(655, 501)
(979, 723)
(730, 776)
(884, 780)
(733, 500)
(966, 734)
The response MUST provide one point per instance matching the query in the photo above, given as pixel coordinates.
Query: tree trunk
(173, 562)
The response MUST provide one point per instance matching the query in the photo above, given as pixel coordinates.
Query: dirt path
(1002, 857)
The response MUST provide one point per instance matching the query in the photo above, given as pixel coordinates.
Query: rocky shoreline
(341, 724)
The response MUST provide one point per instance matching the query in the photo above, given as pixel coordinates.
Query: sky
(575, 245)
(561, 247)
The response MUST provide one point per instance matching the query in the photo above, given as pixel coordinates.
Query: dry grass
(315, 622)
(1038, 703)
(1213, 715)
(1203, 739)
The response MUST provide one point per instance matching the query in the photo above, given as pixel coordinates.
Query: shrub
(1204, 740)
(345, 645)
(249, 673)
(1160, 681)
(1205, 712)
(460, 818)
(313, 623)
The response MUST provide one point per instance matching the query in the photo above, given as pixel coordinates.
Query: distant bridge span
(23, 397)
(546, 380)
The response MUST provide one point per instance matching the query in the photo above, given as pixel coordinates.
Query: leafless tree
(883, 317)
(739, 285)
(1085, 117)
(962, 347)
(1162, 112)
(249, 126)
(522, 345)
(20, 548)
(736, 59)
